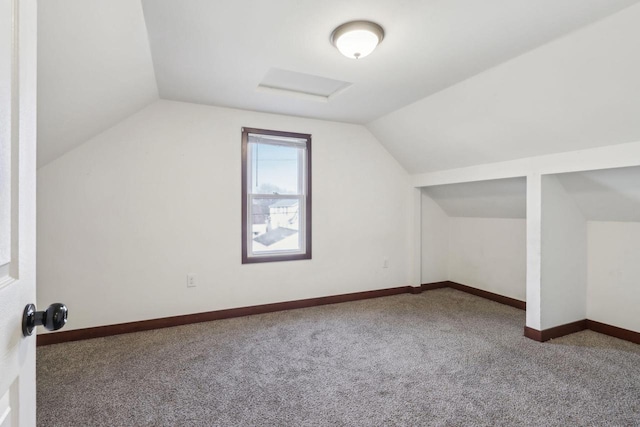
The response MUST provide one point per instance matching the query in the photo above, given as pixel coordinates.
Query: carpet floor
(441, 358)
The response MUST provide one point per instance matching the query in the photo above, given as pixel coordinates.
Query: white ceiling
(605, 195)
(580, 91)
(215, 52)
(101, 60)
(499, 198)
(94, 70)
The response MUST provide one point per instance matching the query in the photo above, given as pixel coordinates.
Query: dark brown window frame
(273, 258)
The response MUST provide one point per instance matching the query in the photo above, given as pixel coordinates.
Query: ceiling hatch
(300, 85)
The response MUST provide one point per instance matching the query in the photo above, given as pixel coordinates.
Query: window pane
(275, 169)
(274, 225)
(276, 196)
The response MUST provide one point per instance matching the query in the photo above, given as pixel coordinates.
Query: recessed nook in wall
(567, 243)
(474, 233)
(608, 201)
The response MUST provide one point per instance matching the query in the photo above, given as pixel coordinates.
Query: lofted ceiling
(101, 60)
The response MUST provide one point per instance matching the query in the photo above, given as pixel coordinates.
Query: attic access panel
(301, 85)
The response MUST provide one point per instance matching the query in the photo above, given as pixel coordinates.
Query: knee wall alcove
(567, 243)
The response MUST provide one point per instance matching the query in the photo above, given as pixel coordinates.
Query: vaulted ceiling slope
(94, 70)
(498, 198)
(577, 92)
(101, 60)
(605, 195)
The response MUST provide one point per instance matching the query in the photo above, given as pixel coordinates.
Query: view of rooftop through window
(276, 194)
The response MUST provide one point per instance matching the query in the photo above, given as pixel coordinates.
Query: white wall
(563, 280)
(489, 254)
(609, 200)
(435, 241)
(124, 217)
(597, 184)
(534, 248)
(574, 99)
(613, 290)
(475, 234)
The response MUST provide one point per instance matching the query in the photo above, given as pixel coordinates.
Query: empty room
(296, 213)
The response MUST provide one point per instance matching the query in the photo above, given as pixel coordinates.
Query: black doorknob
(53, 318)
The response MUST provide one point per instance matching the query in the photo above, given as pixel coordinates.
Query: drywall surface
(534, 247)
(435, 241)
(563, 280)
(603, 187)
(123, 218)
(613, 156)
(607, 194)
(94, 70)
(489, 254)
(613, 290)
(577, 92)
(500, 198)
(475, 234)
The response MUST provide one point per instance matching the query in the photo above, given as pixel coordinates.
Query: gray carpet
(442, 358)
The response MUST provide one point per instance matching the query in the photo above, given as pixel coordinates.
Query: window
(276, 196)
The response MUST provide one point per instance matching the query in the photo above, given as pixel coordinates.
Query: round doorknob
(53, 318)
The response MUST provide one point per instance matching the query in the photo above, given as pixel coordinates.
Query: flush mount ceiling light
(357, 39)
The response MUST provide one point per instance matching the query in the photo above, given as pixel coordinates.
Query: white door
(18, 27)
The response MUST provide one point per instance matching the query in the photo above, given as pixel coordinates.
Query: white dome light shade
(357, 39)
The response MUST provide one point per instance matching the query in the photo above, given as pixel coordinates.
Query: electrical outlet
(191, 280)
(385, 262)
